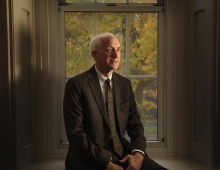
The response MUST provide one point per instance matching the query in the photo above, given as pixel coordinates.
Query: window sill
(170, 162)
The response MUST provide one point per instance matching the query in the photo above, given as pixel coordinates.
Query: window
(140, 30)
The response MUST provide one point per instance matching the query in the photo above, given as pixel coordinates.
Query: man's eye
(109, 50)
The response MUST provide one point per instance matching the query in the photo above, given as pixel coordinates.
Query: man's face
(108, 56)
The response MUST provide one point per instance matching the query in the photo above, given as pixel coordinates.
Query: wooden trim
(216, 117)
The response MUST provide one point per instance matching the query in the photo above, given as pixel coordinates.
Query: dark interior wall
(16, 85)
(216, 116)
(24, 80)
(9, 122)
(42, 89)
(7, 113)
(200, 131)
(183, 75)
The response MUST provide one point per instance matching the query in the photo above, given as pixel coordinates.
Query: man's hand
(134, 161)
(112, 166)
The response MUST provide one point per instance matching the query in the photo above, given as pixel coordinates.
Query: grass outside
(150, 133)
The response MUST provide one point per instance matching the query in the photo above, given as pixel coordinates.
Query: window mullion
(95, 24)
(62, 72)
(127, 54)
(161, 92)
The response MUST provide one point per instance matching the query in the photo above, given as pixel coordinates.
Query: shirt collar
(101, 76)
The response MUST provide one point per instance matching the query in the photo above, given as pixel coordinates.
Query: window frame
(155, 146)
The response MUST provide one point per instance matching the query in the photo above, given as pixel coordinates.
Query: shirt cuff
(136, 150)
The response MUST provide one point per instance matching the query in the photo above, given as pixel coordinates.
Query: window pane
(78, 35)
(143, 44)
(145, 92)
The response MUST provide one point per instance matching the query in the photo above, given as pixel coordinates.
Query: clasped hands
(134, 162)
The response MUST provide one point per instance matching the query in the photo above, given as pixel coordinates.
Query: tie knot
(108, 80)
(108, 83)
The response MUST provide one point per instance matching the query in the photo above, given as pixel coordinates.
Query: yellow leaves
(151, 63)
(134, 83)
(152, 57)
(145, 68)
(149, 104)
(143, 43)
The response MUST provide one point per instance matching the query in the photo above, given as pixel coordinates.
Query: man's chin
(114, 67)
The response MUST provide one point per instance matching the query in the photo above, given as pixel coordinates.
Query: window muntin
(134, 31)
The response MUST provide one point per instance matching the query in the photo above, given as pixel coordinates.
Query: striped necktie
(118, 148)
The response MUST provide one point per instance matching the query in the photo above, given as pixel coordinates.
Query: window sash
(128, 9)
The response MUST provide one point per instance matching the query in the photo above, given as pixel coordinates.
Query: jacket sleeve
(135, 128)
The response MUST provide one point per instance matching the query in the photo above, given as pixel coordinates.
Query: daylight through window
(138, 35)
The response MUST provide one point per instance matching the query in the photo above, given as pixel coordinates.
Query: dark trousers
(147, 164)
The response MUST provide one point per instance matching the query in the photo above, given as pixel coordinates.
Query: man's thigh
(149, 164)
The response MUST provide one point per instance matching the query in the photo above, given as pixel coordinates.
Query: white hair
(96, 42)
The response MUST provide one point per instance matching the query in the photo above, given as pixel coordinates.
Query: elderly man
(99, 108)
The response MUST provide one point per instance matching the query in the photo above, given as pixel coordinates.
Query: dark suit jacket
(87, 124)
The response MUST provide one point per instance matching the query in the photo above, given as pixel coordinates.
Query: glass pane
(145, 92)
(79, 30)
(143, 43)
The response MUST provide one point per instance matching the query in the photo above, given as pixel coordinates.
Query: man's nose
(115, 53)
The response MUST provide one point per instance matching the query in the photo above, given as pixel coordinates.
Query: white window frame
(57, 131)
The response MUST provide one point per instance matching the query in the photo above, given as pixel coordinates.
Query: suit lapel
(97, 93)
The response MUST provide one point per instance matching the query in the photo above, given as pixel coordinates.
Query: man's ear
(94, 55)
